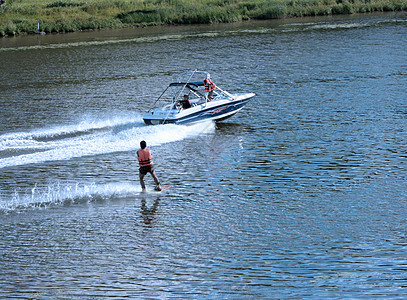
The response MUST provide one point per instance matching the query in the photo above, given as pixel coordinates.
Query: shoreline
(61, 16)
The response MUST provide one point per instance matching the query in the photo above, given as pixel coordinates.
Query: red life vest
(145, 157)
(209, 85)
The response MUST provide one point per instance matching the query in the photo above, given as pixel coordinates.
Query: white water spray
(77, 141)
(89, 139)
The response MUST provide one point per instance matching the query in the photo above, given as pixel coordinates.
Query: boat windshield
(188, 88)
(187, 94)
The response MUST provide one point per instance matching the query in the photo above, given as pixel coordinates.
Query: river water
(300, 195)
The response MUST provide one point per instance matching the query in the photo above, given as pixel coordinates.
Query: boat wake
(87, 139)
(74, 141)
(63, 194)
(289, 27)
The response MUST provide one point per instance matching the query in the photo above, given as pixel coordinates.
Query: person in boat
(145, 159)
(210, 86)
(185, 102)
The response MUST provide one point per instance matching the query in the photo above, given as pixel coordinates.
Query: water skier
(145, 159)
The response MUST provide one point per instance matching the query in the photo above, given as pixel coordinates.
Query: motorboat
(188, 101)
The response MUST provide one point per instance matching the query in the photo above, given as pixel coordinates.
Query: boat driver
(184, 103)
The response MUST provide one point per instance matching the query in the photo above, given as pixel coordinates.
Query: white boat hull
(215, 110)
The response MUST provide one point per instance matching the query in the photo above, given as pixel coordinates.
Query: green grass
(23, 16)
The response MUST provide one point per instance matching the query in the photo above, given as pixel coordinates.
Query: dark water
(301, 195)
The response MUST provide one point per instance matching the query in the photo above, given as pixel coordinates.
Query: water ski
(163, 188)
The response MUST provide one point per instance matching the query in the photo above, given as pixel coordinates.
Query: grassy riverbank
(24, 16)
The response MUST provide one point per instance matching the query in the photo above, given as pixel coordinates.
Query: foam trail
(93, 143)
(23, 139)
(149, 39)
(210, 34)
(56, 194)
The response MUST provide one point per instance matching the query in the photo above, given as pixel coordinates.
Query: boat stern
(160, 116)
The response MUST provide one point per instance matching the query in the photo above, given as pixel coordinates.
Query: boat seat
(195, 102)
